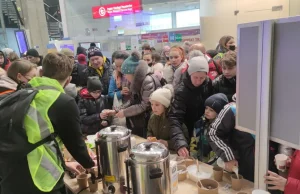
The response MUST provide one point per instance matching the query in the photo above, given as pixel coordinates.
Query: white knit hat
(163, 95)
(198, 64)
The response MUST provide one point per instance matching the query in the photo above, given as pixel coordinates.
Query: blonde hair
(13, 57)
(19, 66)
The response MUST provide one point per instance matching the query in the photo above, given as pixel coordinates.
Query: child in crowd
(199, 147)
(159, 125)
(226, 83)
(148, 58)
(234, 147)
(93, 107)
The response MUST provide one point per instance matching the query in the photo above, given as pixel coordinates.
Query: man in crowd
(99, 66)
(50, 113)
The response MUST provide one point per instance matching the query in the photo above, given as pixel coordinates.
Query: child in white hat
(159, 125)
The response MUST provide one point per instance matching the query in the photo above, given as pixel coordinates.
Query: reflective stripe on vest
(44, 163)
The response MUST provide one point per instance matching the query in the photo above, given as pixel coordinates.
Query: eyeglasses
(28, 78)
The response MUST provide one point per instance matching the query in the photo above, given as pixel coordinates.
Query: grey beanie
(198, 64)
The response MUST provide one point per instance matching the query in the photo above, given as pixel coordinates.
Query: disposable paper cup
(211, 186)
(93, 186)
(236, 183)
(218, 173)
(182, 172)
(82, 181)
(281, 160)
(258, 191)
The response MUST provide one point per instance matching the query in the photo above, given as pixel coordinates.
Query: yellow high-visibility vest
(44, 163)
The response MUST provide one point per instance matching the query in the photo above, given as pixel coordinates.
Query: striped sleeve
(219, 134)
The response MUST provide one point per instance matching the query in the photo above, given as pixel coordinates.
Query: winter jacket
(187, 107)
(174, 75)
(214, 69)
(7, 85)
(232, 144)
(142, 86)
(293, 180)
(199, 146)
(226, 86)
(159, 127)
(105, 78)
(113, 89)
(78, 75)
(90, 110)
(64, 116)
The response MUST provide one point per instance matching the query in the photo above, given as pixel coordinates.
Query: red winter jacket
(213, 71)
(293, 181)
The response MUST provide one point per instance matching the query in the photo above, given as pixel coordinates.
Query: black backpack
(14, 143)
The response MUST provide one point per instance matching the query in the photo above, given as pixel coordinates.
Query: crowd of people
(183, 97)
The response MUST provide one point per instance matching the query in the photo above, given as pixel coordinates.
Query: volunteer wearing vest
(50, 112)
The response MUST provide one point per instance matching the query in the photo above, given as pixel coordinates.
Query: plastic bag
(117, 104)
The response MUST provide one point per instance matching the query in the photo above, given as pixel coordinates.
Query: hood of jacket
(142, 70)
(6, 82)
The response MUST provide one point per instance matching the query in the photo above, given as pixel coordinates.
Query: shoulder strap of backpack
(151, 75)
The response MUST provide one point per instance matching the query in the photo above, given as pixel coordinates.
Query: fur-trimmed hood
(141, 72)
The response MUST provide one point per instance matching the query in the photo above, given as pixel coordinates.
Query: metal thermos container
(113, 144)
(148, 168)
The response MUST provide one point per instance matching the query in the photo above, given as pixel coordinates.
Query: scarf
(100, 70)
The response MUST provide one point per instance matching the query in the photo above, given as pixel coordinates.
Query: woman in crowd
(19, 73)
(118, 84)
(177, 57)
(178, 75)
(188, 104)
(13, 57)
(34, 57)
(289, 185)
(165, 55)
(226, 43)
(4, 61)
(143, 84)
(148, 58)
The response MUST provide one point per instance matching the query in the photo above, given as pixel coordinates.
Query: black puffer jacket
(90, 110)
(105, 78)
(78, 75)
(187, 108)
(226, 86)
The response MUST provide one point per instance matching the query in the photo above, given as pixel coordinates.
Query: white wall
(217, 16)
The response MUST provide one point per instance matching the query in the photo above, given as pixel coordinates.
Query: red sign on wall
(105, 11)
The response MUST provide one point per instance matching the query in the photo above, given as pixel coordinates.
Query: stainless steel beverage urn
(113, 144)
(148, 169)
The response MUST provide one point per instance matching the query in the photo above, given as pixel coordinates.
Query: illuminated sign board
(106, 11)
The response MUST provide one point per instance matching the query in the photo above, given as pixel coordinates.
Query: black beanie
(33, 53)
(94, 52)
(217, 102)
(94, 84)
